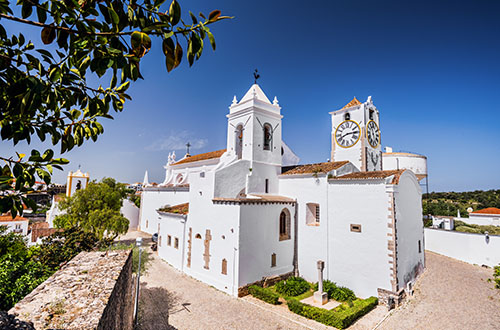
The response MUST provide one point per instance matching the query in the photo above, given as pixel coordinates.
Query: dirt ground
(451, 294)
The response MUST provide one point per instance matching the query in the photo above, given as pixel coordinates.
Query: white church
(238, 216)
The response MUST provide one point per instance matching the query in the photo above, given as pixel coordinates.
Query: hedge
(340, 317)
(338, 293)
(264, 294)
(293, 286)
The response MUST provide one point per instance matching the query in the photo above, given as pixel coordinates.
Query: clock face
(347, 133)
(373, 134)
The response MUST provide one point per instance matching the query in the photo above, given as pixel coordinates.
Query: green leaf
(193, 18)
(140, 42)
(178, 55)
(174, 12)
(211, 38)
(169, 51)
(123, 87)
(114, 16)
(55, 74)
(27, 9)
(42, 14)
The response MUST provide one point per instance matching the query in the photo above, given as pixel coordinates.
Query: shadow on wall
(155, 306)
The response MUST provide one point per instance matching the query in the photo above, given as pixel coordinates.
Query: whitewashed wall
(483, 220)
(312, 240)
(223, 223)
(359, 261)
(259, 239)
(471, 248)
(409, 228)
(154, 198)
(173, 225)
(11, 226)
(131, 212)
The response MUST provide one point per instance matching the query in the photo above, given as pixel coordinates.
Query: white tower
(356, 135)
(253, 143)
(254, 128)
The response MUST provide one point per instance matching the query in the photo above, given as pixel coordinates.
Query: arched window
(284, 225)
(179, 178)
(268, 136)
(239, 140)
(347, 116)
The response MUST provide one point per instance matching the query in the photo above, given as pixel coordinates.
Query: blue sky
(432, 68)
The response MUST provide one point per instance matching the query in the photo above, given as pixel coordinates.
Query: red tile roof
(8, 217)
(178, 209)
(489, 210)
(353, 103)
(372, 175)
(315, 168)
(205, 156)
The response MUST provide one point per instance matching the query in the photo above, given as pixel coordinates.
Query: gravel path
(172, 300)
(449, 295)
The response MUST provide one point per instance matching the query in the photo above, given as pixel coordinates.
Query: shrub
(264, 294)
(496, 276)
(338, 293)
(293, 286)
(340, 317)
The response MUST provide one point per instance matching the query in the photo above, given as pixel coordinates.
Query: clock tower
(356, 135)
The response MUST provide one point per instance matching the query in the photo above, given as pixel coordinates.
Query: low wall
(468, 247)
(92, 291)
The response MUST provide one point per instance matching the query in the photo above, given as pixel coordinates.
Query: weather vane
(187, 147)
(256, 75)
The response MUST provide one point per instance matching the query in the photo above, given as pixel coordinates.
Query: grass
(145, 255)
(304, 295)
(477, 229)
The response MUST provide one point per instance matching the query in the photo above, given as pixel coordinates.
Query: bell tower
(356, 135)
(254, 128)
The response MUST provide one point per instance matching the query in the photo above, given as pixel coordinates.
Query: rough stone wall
(265, 282)
(92, 291)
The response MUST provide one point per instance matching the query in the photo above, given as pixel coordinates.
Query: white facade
(252, 213)
(405, 160)
(19, 225)
(485, 217)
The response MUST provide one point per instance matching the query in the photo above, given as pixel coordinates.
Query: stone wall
(265, 282)
(92, 291)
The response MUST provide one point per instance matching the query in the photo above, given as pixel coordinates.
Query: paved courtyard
(449, 295)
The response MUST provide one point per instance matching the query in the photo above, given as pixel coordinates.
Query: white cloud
(177, 141)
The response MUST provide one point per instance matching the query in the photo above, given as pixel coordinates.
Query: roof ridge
(354, 102)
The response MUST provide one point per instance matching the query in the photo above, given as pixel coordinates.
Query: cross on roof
(256, 75)
(187, 147)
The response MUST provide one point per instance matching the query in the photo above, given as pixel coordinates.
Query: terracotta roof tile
(353, 103)
(314, 168)
(205, 156)
(177, 209)
(372, 175)
(8, 217)
(489, 210)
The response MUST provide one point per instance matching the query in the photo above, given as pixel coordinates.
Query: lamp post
(138, 242)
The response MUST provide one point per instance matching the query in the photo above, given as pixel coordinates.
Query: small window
(371, 114)
(284, 225)
(356, 228)
(169, 240)
(159, 241)
(176, 243)
(179, 178)
(347, 116)
(147, 222)
(419, 247)
(312, 214)
(268, 136)
(273, 260)
(198, 236)
(267, 186)
(18, 226)
(224, 267)
(202, 174)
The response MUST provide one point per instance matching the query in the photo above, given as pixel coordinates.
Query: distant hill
(448, 203)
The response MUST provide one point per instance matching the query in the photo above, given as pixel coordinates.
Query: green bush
(496, 276)
(264, 294)
(340, 317)
(338, 293)
(293, 286)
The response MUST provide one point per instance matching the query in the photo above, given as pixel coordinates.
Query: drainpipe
(295, 241)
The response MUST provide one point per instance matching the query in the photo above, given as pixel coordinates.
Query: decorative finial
(275, 101)
(235, 101)
(79, 166)
(187, 147)
(256, 76)
(369, 100)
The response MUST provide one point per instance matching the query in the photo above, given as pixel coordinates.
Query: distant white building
(18, 225)
(235, 216)
(485, 217)
(444, 222)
